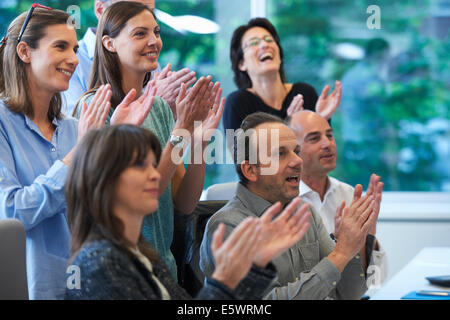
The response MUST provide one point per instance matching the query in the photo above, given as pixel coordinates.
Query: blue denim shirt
(32, 181)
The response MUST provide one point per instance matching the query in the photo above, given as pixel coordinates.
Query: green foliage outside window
(394, 116)
(397, 123)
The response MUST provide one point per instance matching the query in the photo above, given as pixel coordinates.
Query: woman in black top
(257, 62)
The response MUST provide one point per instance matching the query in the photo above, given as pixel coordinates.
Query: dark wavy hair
(98, 162)
(106, 65)
(241, 78)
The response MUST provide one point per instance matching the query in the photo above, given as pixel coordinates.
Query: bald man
(315, 267)
(168, 84)
(327, 195)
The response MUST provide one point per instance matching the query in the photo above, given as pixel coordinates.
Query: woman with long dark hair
(257, 62)
(127, 49)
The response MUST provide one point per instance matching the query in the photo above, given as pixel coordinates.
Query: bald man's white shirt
(338, 191)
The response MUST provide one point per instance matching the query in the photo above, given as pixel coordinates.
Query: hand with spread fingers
(327, 105)
(94, 116)
(282, 232)
(234, 257)
(296, 105)
(131, 111)
(169, 82)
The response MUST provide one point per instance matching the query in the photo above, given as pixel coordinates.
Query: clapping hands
(354, 223)
(94, 116)
(169, 82)
(210, 124)
(282, 232)
(257, 241)
(234, 257)
(375, 189)
(132, 111)
(202, 103)
(327, 105)
(296, 105)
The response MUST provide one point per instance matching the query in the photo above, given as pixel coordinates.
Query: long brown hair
(14, 89)
(106, 64)
(91, 182)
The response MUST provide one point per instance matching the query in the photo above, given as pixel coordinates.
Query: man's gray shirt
(303, 271)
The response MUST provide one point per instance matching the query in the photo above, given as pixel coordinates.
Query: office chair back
(220, 191)
(13, 275)
(191, 277)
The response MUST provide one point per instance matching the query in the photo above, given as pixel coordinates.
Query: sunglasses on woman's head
(27, 19)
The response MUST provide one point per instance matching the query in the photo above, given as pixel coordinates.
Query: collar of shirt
(304, 189)
(89, 41)
(30, 123)
(337, 191)
(251, 201)
(33, 126)
(147, 263)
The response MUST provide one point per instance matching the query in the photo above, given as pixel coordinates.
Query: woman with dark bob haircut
(112, 185)
(257, 62)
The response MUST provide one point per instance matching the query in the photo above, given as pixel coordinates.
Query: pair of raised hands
(169, 84)
(326, 104)
(129, 111)
(202, 102)
(257, 241)
(354, 223)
